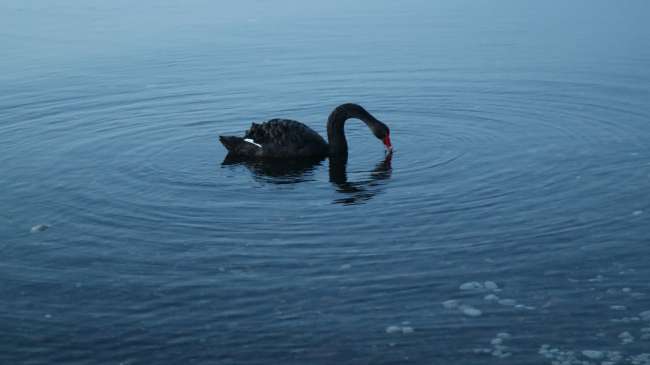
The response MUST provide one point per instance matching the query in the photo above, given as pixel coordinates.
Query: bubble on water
(645, 315)
(618, 307)
(637, 212)
(345, 267)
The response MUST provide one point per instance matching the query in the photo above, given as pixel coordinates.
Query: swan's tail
(238, 146)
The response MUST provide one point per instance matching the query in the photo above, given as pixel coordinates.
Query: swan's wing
(287, 138)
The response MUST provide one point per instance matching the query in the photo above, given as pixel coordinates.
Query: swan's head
(350, 110)
(381, 131)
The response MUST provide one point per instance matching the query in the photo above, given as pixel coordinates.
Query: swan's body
(288, 139)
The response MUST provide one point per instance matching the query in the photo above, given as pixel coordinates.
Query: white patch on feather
(252, 142)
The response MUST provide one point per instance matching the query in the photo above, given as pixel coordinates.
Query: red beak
(387, 143)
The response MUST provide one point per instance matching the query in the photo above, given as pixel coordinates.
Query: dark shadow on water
(297, 171)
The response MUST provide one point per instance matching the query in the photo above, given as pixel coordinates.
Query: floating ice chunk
(471, 285)
(345, 267)
(450, 304)
(593, 354)
(626, 338)
(399, 329)
(626, 290)
(496, 341)
(614, 356)
(641, 359)
(393, 329)
(508, 302)
(470, 311)
(618, 307)
(645, 315)
(596, 279)
(407, 329)
(491, 298)
(482, 350)
(39, 228)
(500, 354)
(504, 335)
(637, 212)
(490, 285)
(625, 320)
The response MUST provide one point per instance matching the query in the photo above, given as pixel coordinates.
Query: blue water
(522, 157)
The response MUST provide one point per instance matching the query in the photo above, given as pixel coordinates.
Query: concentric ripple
(510, 225)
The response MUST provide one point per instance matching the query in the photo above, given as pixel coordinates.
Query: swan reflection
(359, 191)
(296, 171)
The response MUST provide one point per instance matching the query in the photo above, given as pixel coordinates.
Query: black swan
(288, 139)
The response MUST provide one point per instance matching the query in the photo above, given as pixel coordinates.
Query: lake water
(522, 159)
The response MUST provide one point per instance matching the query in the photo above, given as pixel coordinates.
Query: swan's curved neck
(338, 145)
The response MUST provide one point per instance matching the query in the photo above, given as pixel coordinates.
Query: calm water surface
(522, 138)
